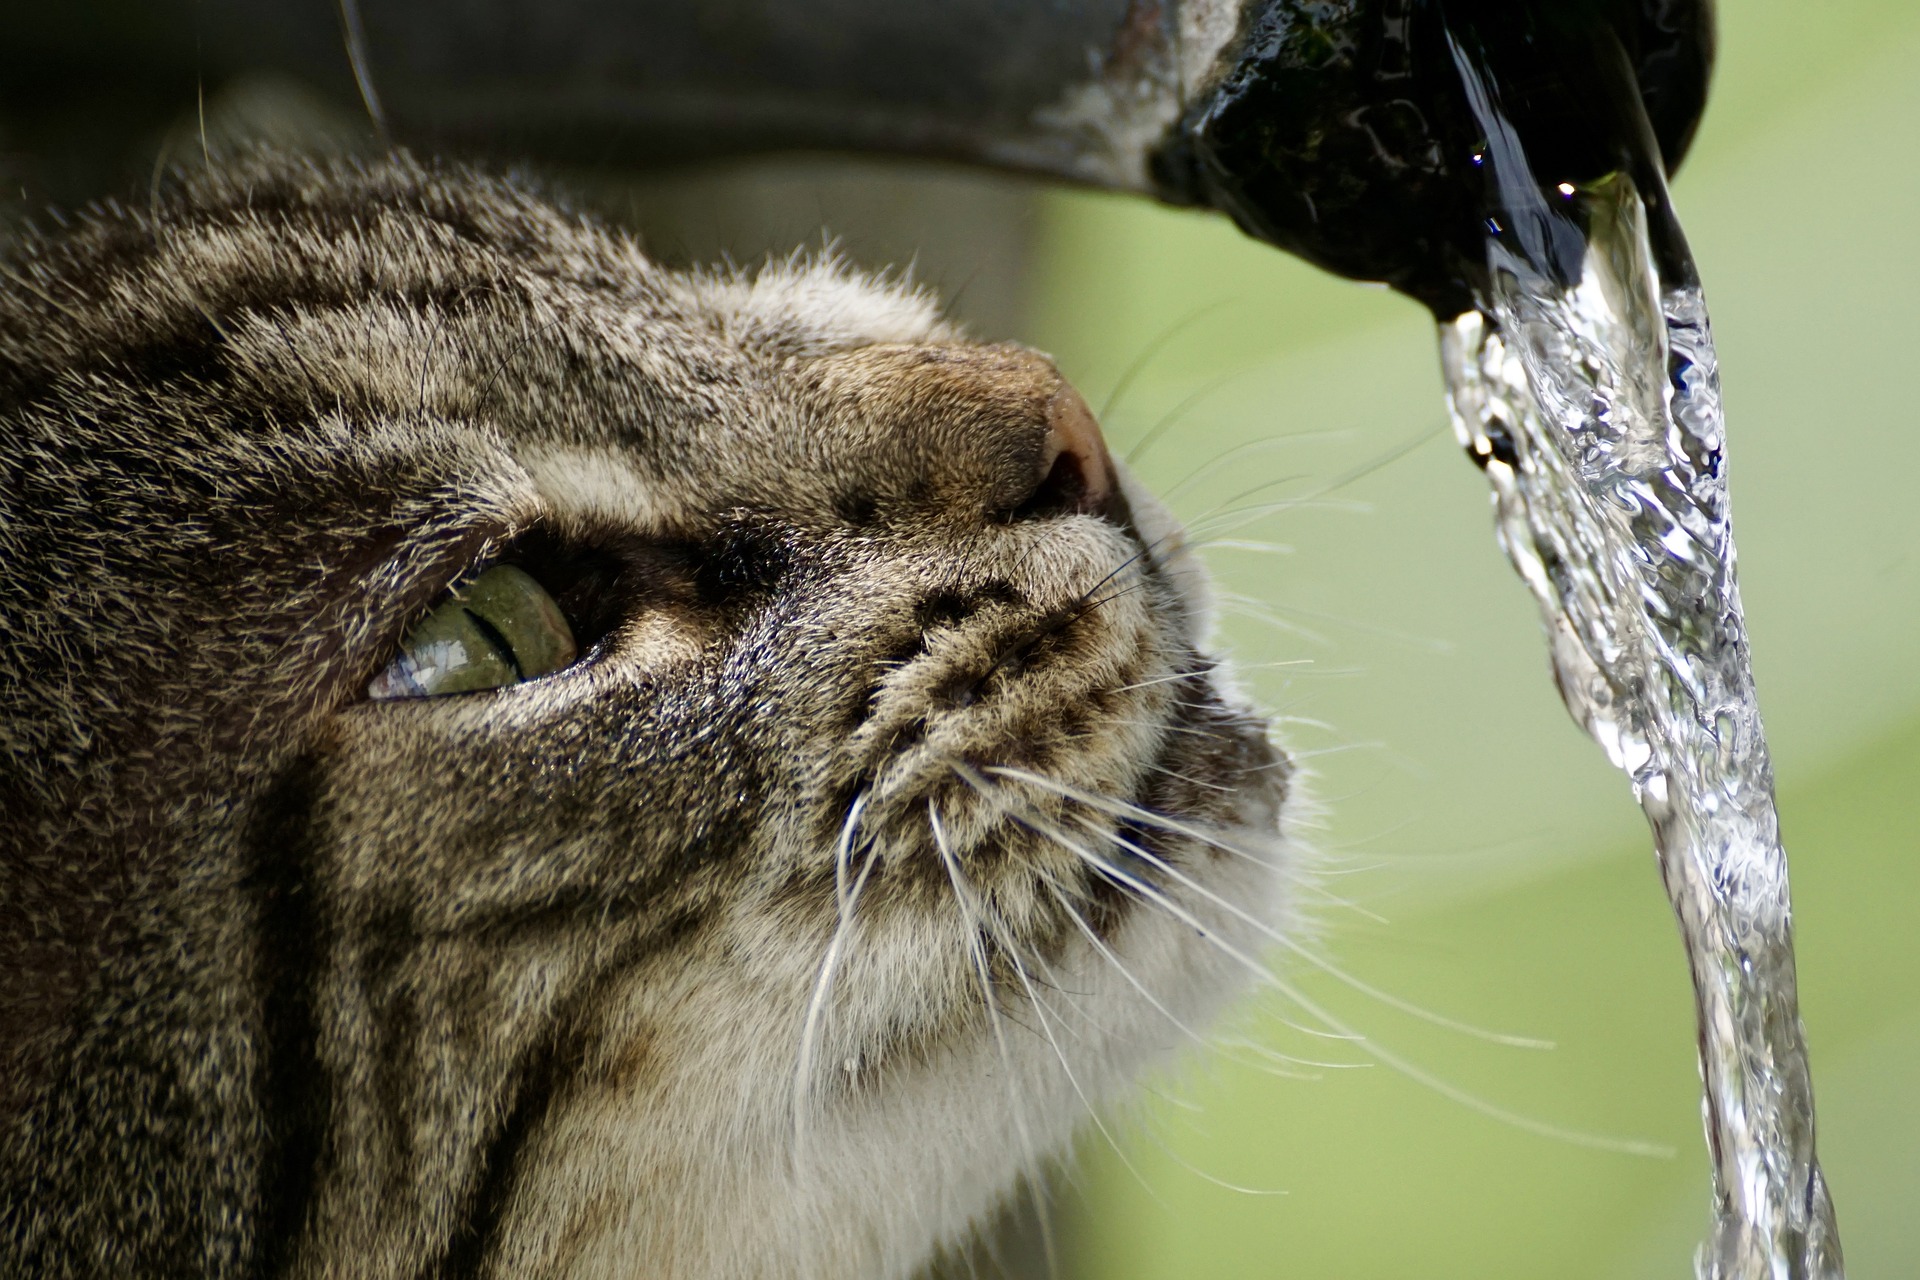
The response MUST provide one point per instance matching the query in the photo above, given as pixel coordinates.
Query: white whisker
(1126, 973)
(1189, 730)
(1035, 823)
(1318, 961)
(1231, 519)
(1152, 349)
(1348, 477)
(1265, 611)
(1250, 450)
(1173, 415)
(972, 923)
(1246, 544)
(1041, 1011)
(1269, 1052)
(845, 898)
(1137, 813)
(1204, 785)
(1419, 1075)
(1166, 679)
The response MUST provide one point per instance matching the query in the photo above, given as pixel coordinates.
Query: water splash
(1594, 408)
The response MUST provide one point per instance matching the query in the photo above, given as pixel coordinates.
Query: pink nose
(1076, 473)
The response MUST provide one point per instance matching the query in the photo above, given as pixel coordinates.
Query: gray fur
(517, 983)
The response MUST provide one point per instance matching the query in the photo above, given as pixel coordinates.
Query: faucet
(1334, 129)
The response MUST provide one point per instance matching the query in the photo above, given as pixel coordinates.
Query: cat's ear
(498, 629)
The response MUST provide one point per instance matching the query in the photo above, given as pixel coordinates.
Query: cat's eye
(499, 629)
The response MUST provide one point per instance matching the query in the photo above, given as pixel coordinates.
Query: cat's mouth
(1010, 683)
(1076, 737)
(1086, 645)
(1137, 795)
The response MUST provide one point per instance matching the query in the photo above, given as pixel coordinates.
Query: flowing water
(1505, 163)
(1591, 399)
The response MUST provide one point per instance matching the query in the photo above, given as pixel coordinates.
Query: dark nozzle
(1341, 130)
(1381, 139)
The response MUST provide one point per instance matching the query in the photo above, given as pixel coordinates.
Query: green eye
(497, 630)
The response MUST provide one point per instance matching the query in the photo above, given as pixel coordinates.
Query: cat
(520, 762)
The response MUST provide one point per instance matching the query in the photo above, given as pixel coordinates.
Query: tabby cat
(517, 762)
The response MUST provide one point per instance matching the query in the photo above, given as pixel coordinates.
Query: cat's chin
(720, 1176)
(710, 1171)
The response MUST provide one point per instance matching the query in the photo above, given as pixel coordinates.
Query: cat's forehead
(404, 303)
(342, 273)
(806, 307)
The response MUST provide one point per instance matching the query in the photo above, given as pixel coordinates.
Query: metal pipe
(1313, 122)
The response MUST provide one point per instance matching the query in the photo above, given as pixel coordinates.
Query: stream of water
(1591, 400)
(1505, 163)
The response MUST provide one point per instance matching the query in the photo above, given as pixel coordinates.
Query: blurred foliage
(1499, 873)
(1459, 802)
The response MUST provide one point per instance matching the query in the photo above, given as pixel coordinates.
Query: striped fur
(519, 983)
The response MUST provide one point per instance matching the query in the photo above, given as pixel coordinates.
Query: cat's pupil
(496, 630)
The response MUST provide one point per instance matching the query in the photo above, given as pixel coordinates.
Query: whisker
(1321, 962)
(1203, 784)
(1252, 448)
(1041, 1011)
(1085, 607)
(1167, 679)
(1120, 967)
(970, 921)
(1261, 973)
(1173, 415)
(1417, 1074)
(1189, 730)
(1224, 520)
(1339, 749)
(1263, 610)
(1138, 813)
(1152, 349)
(354, 37)
(1268, 1051)
(1365, 469)
(1257, 611)
(841, 851)
(845, 898)
(1034, 822)
(1194, 675)
(1143, 556)
(1120, 808)
(1248, 544)
(1203, 472)
(1140, 557)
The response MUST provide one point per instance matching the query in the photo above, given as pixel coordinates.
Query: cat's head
(594, 766)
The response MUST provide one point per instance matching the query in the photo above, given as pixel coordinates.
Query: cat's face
(889, 817)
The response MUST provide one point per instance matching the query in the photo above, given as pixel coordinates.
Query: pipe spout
(1324, 127)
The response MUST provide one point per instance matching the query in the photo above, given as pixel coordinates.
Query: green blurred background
(1492, 868)
(1500, 873)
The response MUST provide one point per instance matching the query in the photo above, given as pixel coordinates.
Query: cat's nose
(991, 432)
(1075, 475)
